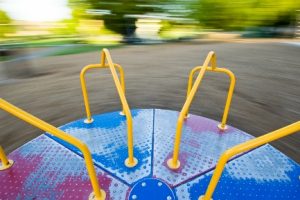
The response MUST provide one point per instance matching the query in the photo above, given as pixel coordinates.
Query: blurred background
(44, 45)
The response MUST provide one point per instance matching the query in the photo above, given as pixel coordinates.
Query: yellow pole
(5, 162)
(17, 112)
(221, 126)
(84, 88)
(85, 95)
(174, 163)
(190, 84)
(130, 161)
(3, 157)
(122, 76)
(229, 98)
(246, 146)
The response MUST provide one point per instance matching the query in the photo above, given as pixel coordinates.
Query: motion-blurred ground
(267, 94)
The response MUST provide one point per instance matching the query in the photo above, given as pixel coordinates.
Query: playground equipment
(131, 154)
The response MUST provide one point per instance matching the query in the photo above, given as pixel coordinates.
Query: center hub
(150, 189)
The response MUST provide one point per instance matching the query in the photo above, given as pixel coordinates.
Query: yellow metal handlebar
(174, 163)
(222, 126)
(84, 88)
(105, 55)
(98, 193)
(246, 146)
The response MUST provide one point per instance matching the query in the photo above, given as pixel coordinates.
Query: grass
(4, 58)
(82, 49)
(71, 49)
(31, 42)
(50, 42)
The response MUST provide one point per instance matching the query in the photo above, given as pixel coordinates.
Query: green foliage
(79, 8)
(5, 24)
(82, 49)
(239, 14)
(118, 15)
(66, 27)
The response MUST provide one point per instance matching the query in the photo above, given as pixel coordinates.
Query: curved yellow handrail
(246, 146)
(222, 126)
(120, 86)
(84, 88)
(174, 163)
(17, 112)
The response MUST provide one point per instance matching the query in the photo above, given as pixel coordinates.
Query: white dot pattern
(199, 150)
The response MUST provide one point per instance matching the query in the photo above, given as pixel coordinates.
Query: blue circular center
(150, 189)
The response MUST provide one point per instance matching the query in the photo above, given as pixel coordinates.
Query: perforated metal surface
(44, 169)
(107, 140)
(263, 173)
(201, 146)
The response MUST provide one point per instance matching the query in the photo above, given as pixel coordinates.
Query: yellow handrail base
(131, 161)
(93, 197)
(88, 120)
(131, 164)
(173, 165)
(6, 163)
(30, 119)
(202, 198)
(222, 127)
(7, 166)
(243, 147)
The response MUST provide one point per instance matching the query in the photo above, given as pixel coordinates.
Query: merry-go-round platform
(135, 155)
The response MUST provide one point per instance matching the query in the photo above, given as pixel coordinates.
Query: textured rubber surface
(48, 168)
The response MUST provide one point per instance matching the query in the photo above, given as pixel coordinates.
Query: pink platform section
(44, 169)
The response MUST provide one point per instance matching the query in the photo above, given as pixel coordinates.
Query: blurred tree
(5, 24)
(239, 14)
(118, 15)
(69, 26)
(66, 27)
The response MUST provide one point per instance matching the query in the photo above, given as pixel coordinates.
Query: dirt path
(267, 94)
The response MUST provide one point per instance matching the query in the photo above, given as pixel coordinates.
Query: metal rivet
(134, 196)
(159, 184)
(143, 184)
(169, 198)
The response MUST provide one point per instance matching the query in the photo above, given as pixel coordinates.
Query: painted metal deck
(44, 169)
(48, 168)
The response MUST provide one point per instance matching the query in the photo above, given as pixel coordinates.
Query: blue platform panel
(261, 174)
(44, 169)
(106, 138)
(201, 145)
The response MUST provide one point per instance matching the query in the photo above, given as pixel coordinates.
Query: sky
(36, 10)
